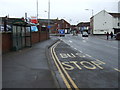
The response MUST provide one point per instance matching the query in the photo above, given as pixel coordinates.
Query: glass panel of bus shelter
(23, 37)
(28, 37)
(14, 38)
(19, 37)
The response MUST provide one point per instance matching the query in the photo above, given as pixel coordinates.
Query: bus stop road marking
(58, 64)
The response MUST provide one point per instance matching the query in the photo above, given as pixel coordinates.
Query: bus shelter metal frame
(22, 36)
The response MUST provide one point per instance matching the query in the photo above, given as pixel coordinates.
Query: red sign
(34, 20)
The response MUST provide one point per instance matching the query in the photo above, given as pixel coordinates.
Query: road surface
(88, 62)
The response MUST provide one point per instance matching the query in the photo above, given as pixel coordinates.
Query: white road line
(111, 46)
(100, 61)
(88, 55)
(80, 51)
(70, 41)
(68, 44)
(75, 48)
(84, 41)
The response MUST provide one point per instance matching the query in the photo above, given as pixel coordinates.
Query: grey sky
(71, 10)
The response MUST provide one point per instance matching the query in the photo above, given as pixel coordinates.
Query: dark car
(117, 36)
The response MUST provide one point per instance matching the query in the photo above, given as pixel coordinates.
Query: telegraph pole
(37, 9)
(48, 12)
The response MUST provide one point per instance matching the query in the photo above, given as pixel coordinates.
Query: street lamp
(90, 20)
(48, 22)
(91, 10)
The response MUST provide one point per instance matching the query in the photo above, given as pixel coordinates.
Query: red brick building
(84, 26)
(55, 24)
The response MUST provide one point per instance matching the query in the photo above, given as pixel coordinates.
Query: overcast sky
(71, 10)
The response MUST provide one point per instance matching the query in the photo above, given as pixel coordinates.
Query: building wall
(115, 23)
(102, 23)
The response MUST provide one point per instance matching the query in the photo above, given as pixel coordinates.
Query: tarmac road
(84, 70)
(101, 49)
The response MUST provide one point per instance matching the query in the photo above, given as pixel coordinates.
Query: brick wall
(35, 37)
(6, 42)
(7, 39)
(44, 36)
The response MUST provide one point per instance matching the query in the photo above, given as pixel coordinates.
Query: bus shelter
(21, 35)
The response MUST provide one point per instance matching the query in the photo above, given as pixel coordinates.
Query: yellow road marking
(72, 82)
(62, 75)
(73, 55)
(63, 55)
(75, 63)
(117, 69)
(69, 67)
(83, 63)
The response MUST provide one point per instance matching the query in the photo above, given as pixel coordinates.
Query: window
(102, 30)
(118, 24)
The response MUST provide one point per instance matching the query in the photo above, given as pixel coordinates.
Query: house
(55, 25)
(63, 24)
(104, 22)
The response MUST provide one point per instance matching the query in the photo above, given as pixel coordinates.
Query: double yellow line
(62, 70)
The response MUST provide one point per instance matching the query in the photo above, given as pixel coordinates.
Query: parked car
(61, 32)
(84, 34)
(117, 36)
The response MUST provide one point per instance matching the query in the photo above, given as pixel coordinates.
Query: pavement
(104, 37)
(28, 68)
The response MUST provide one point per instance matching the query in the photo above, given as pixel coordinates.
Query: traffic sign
(49, 27)
(61, 31)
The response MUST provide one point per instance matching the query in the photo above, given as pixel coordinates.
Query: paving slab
(28, 68)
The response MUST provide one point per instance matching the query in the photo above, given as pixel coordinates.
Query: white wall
(0, 56)
(103, 22)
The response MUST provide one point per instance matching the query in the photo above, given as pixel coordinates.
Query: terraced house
(104, 22)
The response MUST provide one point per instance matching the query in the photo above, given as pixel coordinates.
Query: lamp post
(91, 25)
(48, 26)
(91, 10)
